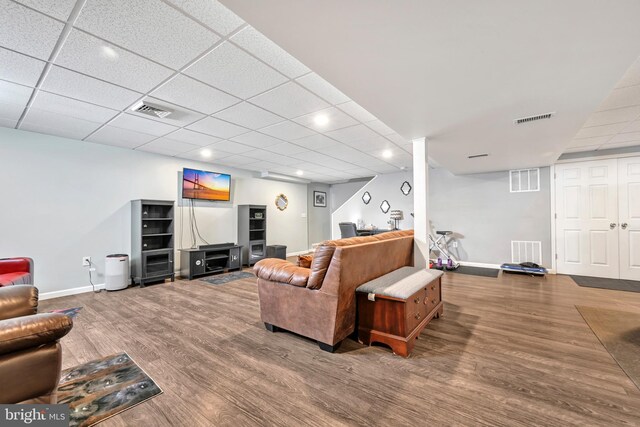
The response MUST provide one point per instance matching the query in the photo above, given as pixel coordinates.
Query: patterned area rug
(103, 388)
(226, 278)
(71, 312)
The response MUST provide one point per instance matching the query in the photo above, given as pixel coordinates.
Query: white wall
(340, 193)
(319, 217)
(382, 187)
(63, 199)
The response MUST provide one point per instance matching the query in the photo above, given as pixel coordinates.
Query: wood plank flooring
(511, 351)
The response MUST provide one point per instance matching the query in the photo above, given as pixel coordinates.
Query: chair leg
(271, 328)
(329, 348)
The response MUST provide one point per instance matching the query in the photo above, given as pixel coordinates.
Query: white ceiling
(75, 69)
(459, 72)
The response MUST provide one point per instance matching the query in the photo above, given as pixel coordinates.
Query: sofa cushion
(305, 261)
(16, 278)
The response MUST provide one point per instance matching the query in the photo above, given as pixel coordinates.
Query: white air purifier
(116, 272)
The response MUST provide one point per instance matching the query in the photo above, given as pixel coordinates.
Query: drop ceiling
(75, 68)
(459, 72)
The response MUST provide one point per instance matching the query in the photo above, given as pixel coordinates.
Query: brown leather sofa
(319, 302)
(30, 354)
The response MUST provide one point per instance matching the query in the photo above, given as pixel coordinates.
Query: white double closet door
(598, 218)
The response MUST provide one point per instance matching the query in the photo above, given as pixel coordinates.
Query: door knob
(612, 225)
(623, 225)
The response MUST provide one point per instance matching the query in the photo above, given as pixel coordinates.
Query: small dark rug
(71, 312)
(476, 271)
(604, 283)
(226, 278)
(103, 388)
(619, 333)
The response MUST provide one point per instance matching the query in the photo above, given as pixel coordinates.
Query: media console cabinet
(210, 259)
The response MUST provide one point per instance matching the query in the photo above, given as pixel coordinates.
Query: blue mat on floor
(226, 278)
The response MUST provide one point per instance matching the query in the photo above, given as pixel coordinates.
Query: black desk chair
(348, 229)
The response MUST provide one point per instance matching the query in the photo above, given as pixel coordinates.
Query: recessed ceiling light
(321, 119)
(206, 153)
(387, 154)
(299, 173)
(110, 53)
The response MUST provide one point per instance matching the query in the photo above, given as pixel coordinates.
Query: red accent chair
(16, 271)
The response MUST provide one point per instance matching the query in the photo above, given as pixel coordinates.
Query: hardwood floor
(511, 351)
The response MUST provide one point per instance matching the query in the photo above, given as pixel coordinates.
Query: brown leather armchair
(30, 354)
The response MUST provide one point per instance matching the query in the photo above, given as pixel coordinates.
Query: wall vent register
(150, 110)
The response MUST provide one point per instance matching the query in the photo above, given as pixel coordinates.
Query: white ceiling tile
(150, 28)
(7, 123)
(196, 154)
(13, 100)
(322, 88)
(345, 152)
(260, 166)
(211, 13)
(317, 142)
(604, 130)
(287, 148)
(361, 172)
(191, 137)
(632, 76)
(352, 133)
(214, 127)
(119, 137)
(179, 116)
(289, 131)
(289, 100)
(608, 117)
(287, 170)
(233, 147)
(372, 144)
(632, 127)
(235, 71)
(380, 127)
(20, 68)
(357, 112)
(622, 97)
(386, 168)
(84, 53)
(620, 145)
(625, 137)
(74, 85)
(27, 31)
(268, 156)
(189, 93)
(337, 120)
(238, 160)
(369, 162)
(62, 106)
(60, 9)
(168, 146)
(54, 124)
(260, 46)
(584, 142)
(256, 139)
(249, 116)
(142, 125)
(310, 168)
(581, 149)
(397, 139)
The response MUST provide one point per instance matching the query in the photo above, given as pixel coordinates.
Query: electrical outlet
(455, 244)
(86, 261)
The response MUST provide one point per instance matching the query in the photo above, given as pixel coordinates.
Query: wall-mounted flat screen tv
(205, 185)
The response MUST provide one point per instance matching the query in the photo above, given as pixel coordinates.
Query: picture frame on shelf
(320, 199)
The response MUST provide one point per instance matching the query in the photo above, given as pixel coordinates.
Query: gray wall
(319, 217)
(486, 216)
(64, 199)
(342, 192)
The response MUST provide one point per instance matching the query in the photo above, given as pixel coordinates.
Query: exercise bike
(441, 245)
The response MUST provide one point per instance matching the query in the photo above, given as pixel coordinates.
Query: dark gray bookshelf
(252, 232)
(152, 241)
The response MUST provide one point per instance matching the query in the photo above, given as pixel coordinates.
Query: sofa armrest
(282, 271)
(18, 300)
(32, 331)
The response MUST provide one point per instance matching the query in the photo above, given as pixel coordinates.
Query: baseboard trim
(479, 264)
(67, 292)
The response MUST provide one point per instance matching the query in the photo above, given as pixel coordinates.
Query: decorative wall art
(366, 197)
(385, 206)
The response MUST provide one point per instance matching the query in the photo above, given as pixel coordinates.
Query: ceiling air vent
(150, 110)
(533, 118)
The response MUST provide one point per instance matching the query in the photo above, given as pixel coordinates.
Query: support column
(420, 203)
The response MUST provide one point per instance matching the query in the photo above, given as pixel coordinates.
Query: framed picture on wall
(320, 199)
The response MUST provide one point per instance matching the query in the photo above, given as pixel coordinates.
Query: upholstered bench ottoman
(393, 309)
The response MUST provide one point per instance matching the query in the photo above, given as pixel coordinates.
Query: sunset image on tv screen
(205, 185)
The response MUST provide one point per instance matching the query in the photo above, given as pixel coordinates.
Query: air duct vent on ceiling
(533, 118)
(151, 110)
